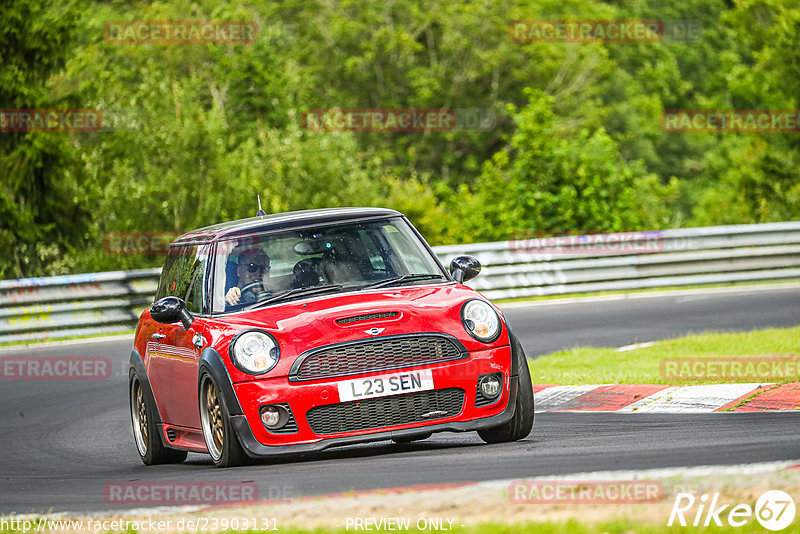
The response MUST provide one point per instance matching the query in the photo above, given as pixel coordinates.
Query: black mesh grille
(377, 355)
(386, 411)
(367, 317)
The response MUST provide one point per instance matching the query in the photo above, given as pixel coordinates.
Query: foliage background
(194, 132)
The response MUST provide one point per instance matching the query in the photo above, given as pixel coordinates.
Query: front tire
(218, 433)
(522, 423)
(145, 430)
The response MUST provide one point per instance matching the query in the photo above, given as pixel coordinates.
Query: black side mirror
(464, 268)
(170, 310)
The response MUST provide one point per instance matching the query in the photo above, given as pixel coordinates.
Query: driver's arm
(233, 295)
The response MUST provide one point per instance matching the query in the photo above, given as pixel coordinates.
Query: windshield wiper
(296, 292)
(403, 278)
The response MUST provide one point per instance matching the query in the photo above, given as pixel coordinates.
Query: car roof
(281, 221)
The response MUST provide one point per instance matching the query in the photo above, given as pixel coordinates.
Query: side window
(194, 296)
(188, 266)
(281, 256)
(375, 257)
(166, 283)
(404, 250)
(183, 271)
(195, 262)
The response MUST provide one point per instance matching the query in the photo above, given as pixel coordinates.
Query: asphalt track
(63, 441)
(550, 327)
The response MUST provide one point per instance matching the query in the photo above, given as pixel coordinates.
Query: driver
(252, 266)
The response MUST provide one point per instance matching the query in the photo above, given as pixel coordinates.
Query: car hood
(313, 322)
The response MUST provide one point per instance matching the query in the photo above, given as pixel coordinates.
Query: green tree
(41, 208)
(551, 181)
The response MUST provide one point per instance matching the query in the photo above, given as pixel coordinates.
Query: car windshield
(276, 266)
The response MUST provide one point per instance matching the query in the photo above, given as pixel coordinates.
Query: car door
(173, 358)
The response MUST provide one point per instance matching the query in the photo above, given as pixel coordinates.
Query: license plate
(384, 385)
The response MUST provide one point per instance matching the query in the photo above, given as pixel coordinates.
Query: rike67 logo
(774, 510)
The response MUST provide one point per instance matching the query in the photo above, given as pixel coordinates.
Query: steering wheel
(249, 288)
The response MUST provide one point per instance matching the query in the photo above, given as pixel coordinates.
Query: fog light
(490, 386)
(271, 416)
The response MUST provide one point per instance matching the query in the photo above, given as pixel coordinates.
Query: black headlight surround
(487, 341)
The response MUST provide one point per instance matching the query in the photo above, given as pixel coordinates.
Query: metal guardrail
(64, 306)
(82, 304)
(687, 256)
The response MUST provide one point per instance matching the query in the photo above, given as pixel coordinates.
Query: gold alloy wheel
(139, 416)
(142, 411)
(214, 415)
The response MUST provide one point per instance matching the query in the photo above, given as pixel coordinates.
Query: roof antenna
(260, 212)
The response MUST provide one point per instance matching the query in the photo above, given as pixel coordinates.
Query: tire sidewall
(231, 453)
(521, 423)
(151, 446)
(132, 404)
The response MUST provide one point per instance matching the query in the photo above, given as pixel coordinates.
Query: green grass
(643, 365)
(571, 526)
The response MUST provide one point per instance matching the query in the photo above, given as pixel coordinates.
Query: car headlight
(480, 320)
(254, 352)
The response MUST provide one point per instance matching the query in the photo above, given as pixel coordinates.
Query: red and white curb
(637, 398)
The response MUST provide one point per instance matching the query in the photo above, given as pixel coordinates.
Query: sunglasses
(254, 267)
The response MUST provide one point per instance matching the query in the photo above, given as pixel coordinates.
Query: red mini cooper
(295, 332)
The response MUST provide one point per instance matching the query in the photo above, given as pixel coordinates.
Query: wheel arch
(136, 369)
(517, 352)
(211, 363)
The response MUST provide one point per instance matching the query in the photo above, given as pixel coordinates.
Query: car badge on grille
(374, 331)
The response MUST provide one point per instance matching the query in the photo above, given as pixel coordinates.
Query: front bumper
(302, 397)
(256, 449)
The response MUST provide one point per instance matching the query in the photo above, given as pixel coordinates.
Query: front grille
(386, 411)
(367, 317)
(376, 355)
